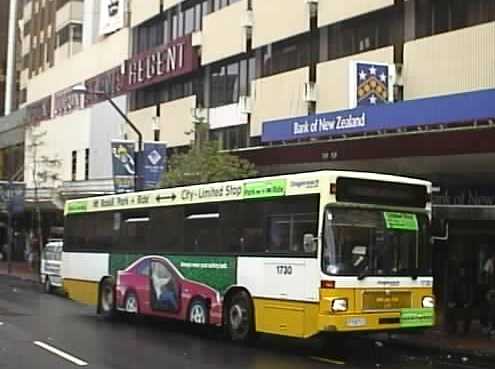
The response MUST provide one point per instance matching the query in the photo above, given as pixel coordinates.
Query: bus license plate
(356, 322)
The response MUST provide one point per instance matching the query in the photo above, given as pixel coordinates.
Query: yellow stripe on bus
(85, 292)
(287, 318)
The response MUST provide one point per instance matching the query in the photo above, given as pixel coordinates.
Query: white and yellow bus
(292, 255)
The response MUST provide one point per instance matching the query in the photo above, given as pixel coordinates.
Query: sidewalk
(436, 340)
(20, 270)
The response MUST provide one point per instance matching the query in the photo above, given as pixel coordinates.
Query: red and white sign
(162, 63)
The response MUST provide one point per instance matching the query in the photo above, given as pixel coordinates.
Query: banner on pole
(123, 165)
(12, 196)
(153, 163)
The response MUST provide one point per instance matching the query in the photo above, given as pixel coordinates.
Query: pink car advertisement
(187, 288)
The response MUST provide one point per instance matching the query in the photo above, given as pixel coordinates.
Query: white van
(51, 265)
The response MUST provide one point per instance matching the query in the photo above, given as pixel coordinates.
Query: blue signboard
(12, 196)
(124, 165)
(153, 164)
(448, 109)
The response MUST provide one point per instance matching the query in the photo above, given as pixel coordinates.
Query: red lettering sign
(162, 63)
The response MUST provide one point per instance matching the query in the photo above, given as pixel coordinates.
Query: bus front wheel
(240, 318)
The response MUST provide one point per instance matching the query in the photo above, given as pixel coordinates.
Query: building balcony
(88, 188)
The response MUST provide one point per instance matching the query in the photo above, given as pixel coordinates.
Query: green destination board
(411, 318)
(271, 188)
(77, 207)
(403, 221)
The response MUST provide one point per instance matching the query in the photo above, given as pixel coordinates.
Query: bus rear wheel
(106, 302)
(240, 318)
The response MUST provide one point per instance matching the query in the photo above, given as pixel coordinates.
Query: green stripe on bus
(77, 207)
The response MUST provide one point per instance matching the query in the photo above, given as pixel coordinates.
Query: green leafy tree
(205, 163)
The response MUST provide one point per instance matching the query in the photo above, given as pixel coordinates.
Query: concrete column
(10, 77)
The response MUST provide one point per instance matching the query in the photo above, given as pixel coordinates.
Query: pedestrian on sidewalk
(460, 300)
(488, 310)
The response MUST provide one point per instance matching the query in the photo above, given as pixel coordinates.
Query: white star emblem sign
(362, 75)
(373, 71)
(373, 100)
(383, 77)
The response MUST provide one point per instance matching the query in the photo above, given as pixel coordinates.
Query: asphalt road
(33, 325)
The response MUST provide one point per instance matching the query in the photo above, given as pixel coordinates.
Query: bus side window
(167, 228)
(202, 228)
(252, 225)
(302, 224)
(232, 225)
(134, 230)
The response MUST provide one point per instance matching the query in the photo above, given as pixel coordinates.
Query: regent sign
(161, 63)
(152, 66)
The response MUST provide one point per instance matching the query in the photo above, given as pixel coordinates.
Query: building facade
(4, 29)
(382, 85)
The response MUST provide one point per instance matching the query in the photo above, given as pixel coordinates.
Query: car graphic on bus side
(152, 285)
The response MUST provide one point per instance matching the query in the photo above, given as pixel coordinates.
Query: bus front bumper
(405, 318)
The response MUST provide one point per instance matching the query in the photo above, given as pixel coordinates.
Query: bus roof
(253, 188)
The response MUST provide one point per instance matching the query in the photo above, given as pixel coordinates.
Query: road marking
(326, 360)
(60, 353)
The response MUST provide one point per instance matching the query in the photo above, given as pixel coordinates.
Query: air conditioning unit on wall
(245, 105)
(310, 92)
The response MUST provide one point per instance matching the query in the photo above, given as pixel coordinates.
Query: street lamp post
(81, 89)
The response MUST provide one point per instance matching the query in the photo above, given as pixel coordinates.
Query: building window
(27, 28)
(219, 4)
(230, 138)
(286, 55)
(150, 35)
(70, 33)
(231, 80)
(168, 91)
(86, 164)
(74, 166)
(170, 25)
(437, 16)
(372, 31)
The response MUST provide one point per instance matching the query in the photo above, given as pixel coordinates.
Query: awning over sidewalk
(441, 110)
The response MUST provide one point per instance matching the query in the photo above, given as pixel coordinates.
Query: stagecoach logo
(305, 184)
(113, 7)
(111, 16)
(389, 283)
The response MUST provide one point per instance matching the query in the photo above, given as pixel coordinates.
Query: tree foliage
(205, 163)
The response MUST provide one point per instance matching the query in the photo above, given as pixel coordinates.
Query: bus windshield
(366, 242)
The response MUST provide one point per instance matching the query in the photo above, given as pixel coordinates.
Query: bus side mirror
(309, 242)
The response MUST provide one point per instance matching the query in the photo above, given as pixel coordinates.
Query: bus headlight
(339, 305)
(428, 302)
